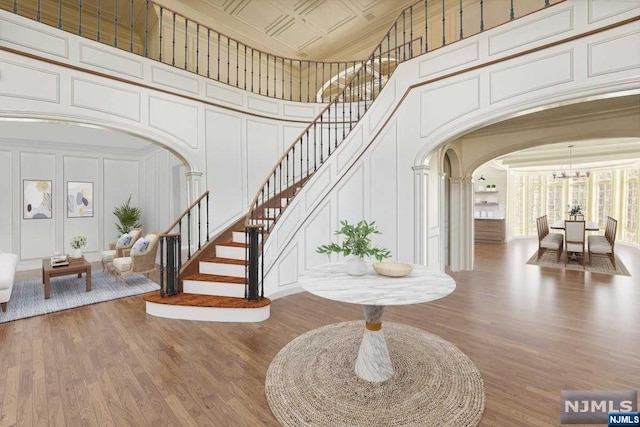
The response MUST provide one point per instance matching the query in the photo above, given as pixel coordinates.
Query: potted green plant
(575, 211)
(357, 244)
(128, 216)
(493, 187)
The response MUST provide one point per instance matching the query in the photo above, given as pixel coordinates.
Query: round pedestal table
(374, 292)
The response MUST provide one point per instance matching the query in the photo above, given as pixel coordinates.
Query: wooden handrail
(186, 211)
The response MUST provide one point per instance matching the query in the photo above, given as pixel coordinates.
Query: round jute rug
(311, 381)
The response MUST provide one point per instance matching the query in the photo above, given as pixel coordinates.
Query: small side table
(75, 267)
(374, 292)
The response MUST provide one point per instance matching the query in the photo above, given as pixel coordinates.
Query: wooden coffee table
(76, 267)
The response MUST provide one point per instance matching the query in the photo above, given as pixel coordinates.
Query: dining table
(588, 226)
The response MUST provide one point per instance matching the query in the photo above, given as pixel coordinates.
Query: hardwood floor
(531, 332)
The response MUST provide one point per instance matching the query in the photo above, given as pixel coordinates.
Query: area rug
(311, 381)
(27, 297)
(599, 263)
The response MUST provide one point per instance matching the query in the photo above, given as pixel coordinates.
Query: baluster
(228, 52)
(265, 214)
(260, 72)
(329, 124)
(173, 42)
(248, 256)
(323, 80)
(321, 138)
(79, 18)
(179, 251)
(261, 265)
(252, 291)
(426, 26)
(267, 74)
(300, 80)
(99, 19)
(189, 234)
(252, 62)
(207, 217)
(351, 98)
(15, 6)
(186, 42)
(308, 155)
(237, 64)
(283, 78)
(275, 74)
(286, 182)
(218, 78)
(359, 95)
(512, 14)
(146, 28)
(162, 272)
(461, 33)
(372, 82)
(208, 52)
(315, 147)
(197, 48)
(38, 11)
(330, 80)
(290, 80)
(481, 15)
(547, 3)
(410, 33)
(444, 39)
(395, 41)
(115, 31)
(60, 14)
(380, 66)
(315, 96)
(308, 79)
(404, 44)
(161, 40)
(131, 26)
(199, 226)
(293, 164)
(344, 95)
(335, 119)
(245, 67)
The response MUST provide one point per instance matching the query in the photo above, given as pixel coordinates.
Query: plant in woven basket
(128, 216)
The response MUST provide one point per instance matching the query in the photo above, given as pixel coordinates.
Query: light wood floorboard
(531, 332)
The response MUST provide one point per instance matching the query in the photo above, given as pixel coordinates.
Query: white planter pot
(356, 266)
(76, 253)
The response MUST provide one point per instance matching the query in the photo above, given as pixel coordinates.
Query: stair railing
(354, 98)
(146, 28)
(171, 250)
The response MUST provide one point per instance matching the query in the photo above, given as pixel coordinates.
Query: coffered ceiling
(301, 29)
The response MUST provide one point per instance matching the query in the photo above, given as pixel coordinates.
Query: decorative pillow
(124, 240)
(139, 246)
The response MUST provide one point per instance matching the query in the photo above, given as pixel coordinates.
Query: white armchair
(8, 264)
(138, 263)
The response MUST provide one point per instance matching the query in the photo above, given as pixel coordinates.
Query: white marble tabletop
(331, 281)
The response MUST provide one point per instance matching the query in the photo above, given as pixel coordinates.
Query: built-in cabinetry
(489, 217)
(489, 230)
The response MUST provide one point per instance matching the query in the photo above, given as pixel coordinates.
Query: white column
(193, 185)
(421, 214)
(461, 225)
(444, 220)
(193, 192)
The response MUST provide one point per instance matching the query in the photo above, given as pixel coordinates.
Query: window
(578, 192)
(555, 205)
(534, 202)
(631, 202)
(604, 198)
(517, 228)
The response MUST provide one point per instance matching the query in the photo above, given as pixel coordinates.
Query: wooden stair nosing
(226, 261)
(233, 244)
(217, 278)
(213, 301)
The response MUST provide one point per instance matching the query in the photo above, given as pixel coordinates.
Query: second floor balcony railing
(156, 32)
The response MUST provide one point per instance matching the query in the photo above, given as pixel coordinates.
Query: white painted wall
(411, 131)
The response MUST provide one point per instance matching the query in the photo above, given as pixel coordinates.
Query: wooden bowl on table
(392, 268)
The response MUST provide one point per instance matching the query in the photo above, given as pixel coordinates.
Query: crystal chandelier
(570, 173)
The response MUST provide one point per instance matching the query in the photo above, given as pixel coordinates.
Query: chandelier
(575, 174)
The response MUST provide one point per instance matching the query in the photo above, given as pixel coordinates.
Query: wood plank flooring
(531, 332)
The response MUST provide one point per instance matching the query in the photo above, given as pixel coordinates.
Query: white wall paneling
(108, 59)
(8, 190)
(604, 57)
(179, 119)
(437, 113)
(600, 10)
(29, 82)
(263, 148)
(169, 77)
(105, 98)
(121, 178)
(82, 169)
(462, 54)
(19, 33)
(317, 231)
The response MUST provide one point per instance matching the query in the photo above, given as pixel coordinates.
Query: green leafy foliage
(128, 216)
(575, 210)
(356, 242)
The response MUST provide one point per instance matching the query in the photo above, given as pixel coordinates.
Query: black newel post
(252, 293)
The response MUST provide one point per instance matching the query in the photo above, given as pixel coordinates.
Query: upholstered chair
(122, 248)
(141, 260)
(548, 241)
(574, 231)
(604, 245)
(8, 264)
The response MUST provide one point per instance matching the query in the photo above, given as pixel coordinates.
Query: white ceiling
(321, 30)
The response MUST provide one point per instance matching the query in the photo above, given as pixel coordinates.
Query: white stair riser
(231, 252)
(239, 237)
(272, 212)
(213, 288)
(222, 269)
(209, 314)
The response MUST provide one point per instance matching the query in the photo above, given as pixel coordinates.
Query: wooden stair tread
(226, 261)
(195, 300)
(216, 278)
(233, 244)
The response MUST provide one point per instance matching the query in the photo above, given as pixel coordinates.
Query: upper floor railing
(156, 32)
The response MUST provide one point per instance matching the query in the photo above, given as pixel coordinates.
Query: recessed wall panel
(263, 150)
(8, 188)
(121, 178)
(605, 57)
(105, 99)
(24, 81)
(37, 236)
(81, 169)
(437, 110)
(177, 119)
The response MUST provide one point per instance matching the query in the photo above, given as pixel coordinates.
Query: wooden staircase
(214, 280)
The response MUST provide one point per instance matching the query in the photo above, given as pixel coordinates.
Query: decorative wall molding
(18, 81)
(32, 37)
(601, 62)
(175, 79)
(175, 118)
(452, 58)
(110, 59)
(108, 99)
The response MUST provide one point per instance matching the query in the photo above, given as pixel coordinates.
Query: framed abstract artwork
(79, 199)
(37, 201)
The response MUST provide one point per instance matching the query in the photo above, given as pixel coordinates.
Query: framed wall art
(37, 199)
(79, 199)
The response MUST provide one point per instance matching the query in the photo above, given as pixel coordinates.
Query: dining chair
(599, 244)
(548, 241)
(574, 232)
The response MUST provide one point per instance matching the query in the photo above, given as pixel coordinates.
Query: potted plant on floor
(128, 217)
(356, 244)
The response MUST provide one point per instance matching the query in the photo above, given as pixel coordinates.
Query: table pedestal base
(373, 362)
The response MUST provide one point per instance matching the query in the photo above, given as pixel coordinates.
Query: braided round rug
(311, 381)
